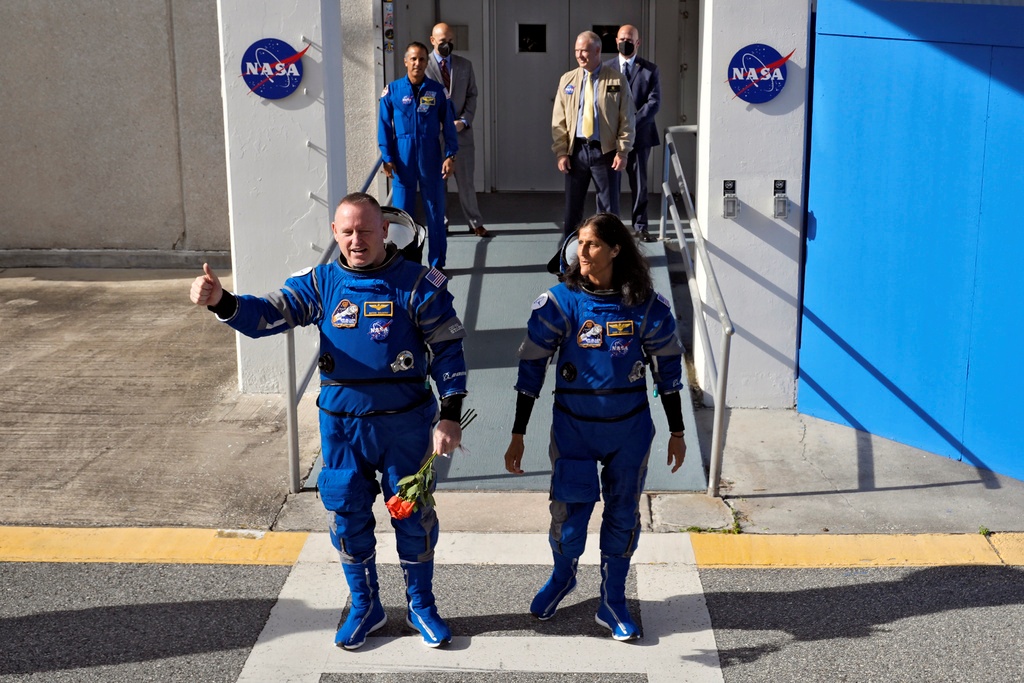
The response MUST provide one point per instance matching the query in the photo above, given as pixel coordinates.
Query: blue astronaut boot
(422, 614)
(612, 613)
(561, 582)
(366, 614)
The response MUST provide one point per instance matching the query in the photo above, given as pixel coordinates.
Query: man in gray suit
(456, 73)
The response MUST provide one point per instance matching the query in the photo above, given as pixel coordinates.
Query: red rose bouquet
(417, 489)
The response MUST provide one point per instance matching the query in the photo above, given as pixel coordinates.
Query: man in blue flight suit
(378, 316)
(413, 110)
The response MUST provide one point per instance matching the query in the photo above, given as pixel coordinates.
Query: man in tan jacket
(591, 130)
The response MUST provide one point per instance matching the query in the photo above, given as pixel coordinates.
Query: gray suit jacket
(462, 93)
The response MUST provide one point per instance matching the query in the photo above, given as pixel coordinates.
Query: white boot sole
(376, 627)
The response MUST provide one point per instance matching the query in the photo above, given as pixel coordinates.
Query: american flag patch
(436, 277)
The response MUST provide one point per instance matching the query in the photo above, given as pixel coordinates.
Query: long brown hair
(631, 274)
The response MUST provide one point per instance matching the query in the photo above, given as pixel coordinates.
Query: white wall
(756, 257)
(277, 227)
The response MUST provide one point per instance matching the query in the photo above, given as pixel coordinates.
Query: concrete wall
(112, 135)
(364, 81)
(756, 257)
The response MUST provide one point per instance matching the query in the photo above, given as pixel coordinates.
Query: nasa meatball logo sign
(272, 68)
(757, 73)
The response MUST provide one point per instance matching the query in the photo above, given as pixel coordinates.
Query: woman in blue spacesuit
(607, 324)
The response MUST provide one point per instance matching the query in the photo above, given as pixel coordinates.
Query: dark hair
(413, 44)
(631, 274)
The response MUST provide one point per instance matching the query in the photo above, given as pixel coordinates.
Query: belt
(618, 418)
(587, 142)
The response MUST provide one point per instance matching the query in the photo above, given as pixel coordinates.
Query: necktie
(445, 76)
(625, 70)
(588, 106)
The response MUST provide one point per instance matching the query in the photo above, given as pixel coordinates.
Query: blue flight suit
(407, 134)
(601, 411)
(376, 406)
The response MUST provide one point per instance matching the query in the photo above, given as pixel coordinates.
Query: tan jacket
(614, 112)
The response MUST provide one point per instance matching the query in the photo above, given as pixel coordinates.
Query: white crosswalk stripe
(297, 643)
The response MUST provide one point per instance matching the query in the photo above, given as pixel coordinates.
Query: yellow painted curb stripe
(1010, 548)
(882, 550)
(185, 546)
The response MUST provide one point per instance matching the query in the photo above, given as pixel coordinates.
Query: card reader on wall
(780, 202)
(730, 204)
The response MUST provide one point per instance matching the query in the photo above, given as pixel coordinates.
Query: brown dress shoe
(480, 231)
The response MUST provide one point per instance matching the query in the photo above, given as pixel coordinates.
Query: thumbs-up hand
(206, 289)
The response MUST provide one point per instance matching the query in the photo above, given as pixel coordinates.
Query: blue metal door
(911, 283)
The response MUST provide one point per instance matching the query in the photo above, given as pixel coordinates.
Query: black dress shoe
(645, 236)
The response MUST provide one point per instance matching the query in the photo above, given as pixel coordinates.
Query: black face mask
(625, 47)
(445, 48)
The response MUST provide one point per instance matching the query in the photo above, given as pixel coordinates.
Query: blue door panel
(996, 373)
(944, 22)
(895, 184)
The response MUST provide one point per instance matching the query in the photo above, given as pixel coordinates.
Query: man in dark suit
(646, 90)
(456, 73)
(591, 131)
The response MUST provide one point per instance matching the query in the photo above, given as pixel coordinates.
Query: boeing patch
(345, 315)
(590, 335)
(539, 302)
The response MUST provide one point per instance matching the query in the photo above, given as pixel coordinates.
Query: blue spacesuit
(376, 406)
(601, 414)
(407, 133)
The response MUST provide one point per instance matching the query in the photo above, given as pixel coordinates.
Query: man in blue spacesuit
(387, 326)
(607, 324)
(413, 109)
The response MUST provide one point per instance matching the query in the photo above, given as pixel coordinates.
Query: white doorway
(532, 47)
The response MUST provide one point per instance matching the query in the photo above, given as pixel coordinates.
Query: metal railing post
(293, 416)
(718, 431)
(664, 188)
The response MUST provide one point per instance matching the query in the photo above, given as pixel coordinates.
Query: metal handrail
(296, 390)
(718, 378)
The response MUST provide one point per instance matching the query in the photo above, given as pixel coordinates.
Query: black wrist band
(451, 407)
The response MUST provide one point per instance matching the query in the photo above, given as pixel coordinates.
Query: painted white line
(293, 645)
(515, 549)
(491, 653)
(297, 643)
(678, 642)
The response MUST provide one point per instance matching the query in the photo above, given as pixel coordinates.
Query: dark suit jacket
(646, 90)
